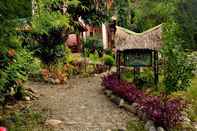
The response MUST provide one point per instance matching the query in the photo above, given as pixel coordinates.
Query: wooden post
(118, 63)
(156, 73)
(134, 74)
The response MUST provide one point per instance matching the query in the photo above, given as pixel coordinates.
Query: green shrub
(25, 120)
(108, 60)
(93, 44)
(144, 79)
(109, 52)
(191, 96)
(127, 75)
(15, 73)
(49, 48)
(94, 57)
(68, 58)
(178, 68)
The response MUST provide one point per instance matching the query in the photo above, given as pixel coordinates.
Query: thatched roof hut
(150, 39)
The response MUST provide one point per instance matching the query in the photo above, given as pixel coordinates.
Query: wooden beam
(118, 63)
(156, 68)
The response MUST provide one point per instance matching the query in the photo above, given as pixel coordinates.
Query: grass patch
(192, 97)
(135, 126)
(25, 120)
(193, 89)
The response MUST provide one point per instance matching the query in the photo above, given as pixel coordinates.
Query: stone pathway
(80, 105)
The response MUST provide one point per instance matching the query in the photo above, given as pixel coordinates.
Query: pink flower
(3, 129)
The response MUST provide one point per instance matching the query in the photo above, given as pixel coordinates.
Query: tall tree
(149, 13)
(93, 12)
(50, 27)
(15, 63)
(123, 10)
(10, 13)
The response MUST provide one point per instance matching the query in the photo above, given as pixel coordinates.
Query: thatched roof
(150, 39)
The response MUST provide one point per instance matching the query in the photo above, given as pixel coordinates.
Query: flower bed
(124, 89)
(162, 110)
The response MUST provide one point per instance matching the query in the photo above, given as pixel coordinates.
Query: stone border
(132, 108)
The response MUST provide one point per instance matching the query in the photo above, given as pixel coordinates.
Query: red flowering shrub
(162, 110)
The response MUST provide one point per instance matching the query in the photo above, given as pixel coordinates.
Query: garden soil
(81, 105)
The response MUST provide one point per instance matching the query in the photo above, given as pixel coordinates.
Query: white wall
(104, 34)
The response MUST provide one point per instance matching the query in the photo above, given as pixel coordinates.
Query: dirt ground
(81, 105)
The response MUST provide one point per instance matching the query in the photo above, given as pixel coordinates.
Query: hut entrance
(138, 50)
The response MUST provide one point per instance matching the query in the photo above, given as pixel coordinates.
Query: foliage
(94, 57)
(11, 15)
(163, 110)
(76, 67)
(122, 88)
(68, 56)
(92, 45)
(8, 36)
(150, 13)
(108, 60)
(49, 48)
(191, 96)
(135, 126)
(20, 9)
(192, 56)
(185, 17)
(14, 73)
(179, 34)
(93, 12)
(100, 68)
(178, 68)
(109, 52)
(50, 28)
(46, 21)
(15, 63)
(127, 75)
(56, 73)
(153, 12)
(144, 78)
(24, 120)
(51, 15)
(123, 10)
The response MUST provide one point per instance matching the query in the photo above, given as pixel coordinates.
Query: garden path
(81, 105)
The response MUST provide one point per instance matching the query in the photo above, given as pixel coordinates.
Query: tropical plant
(92, 45)
(50, 27)
(15, 62)
(144, 79)
(163, 110)
(150, 13)
(122, 88)
(108, 60)
(15, 73)
(109, 52)
(26, 119)
(93, 12)
(178, 68)
(124, 12)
